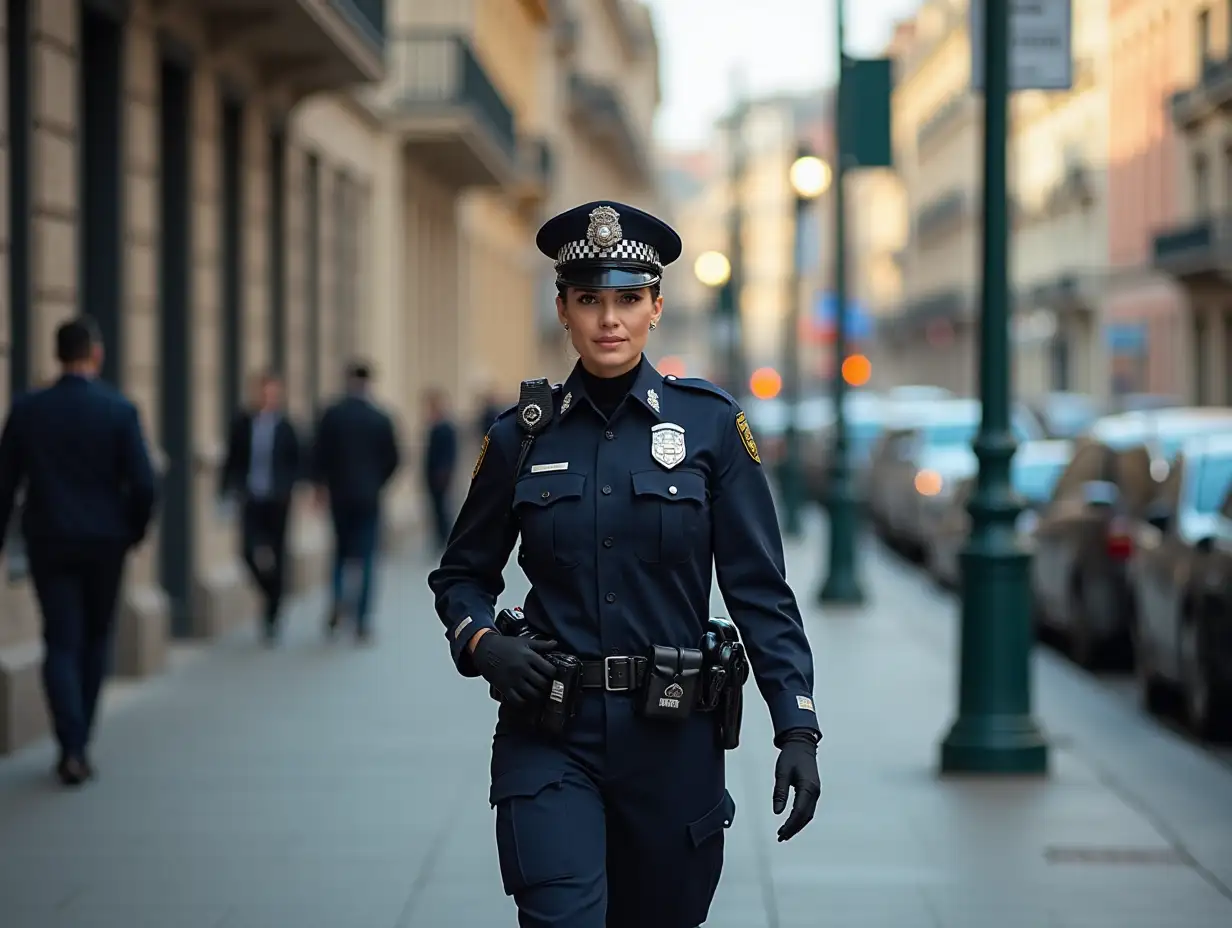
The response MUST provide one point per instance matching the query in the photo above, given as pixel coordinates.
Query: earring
(653, 323)
(566, 325)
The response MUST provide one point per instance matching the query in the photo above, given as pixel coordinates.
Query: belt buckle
(608, 672)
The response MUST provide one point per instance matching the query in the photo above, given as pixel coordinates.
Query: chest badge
(667, 444)
(653, 399)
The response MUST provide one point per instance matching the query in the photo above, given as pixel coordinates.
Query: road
(325, 785)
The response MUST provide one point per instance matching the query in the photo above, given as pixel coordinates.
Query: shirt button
(607, 491)
(545, 494)
(607, 542)
(671, 376)
(609, 434)
(610, 597)
(671, 490)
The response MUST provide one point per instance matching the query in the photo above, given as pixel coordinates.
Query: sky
(781, 46)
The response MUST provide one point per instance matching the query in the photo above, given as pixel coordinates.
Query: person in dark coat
(262, 466)
(78, 449)
(355, 456)
(440, 463)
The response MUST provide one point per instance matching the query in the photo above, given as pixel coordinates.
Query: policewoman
(626, 488)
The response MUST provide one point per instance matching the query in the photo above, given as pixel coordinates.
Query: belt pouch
(562, 699)
(669, 690)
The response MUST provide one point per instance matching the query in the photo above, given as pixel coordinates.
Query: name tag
(548, 468)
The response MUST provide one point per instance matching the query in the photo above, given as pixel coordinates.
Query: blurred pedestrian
(619, 692)
(355, 456)
(78, 449)
(262, 466)
(489, 409)
(440, 463)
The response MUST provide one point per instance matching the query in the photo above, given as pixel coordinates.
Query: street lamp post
(995, 731)
(810, 178)
(842, 584)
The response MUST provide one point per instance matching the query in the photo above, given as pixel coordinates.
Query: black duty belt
(616, 674)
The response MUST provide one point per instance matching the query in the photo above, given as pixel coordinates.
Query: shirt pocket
(548, 511)
(669, 515)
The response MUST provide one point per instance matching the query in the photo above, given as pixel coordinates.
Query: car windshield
(1214, 478)
(944, 434)
(1070, 416)
(1035, 479)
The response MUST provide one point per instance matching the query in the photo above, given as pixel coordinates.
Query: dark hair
(562, 290)
(75, 340)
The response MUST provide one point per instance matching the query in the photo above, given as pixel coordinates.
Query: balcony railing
(1210, 92)
(435, 71)
(367, 16)
(947, 115)
(598, 104)
(940, 213)
(1199, 246)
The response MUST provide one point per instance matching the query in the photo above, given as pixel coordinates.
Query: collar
(647, 390)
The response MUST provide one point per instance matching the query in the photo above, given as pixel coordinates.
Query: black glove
(514, 667)
(797, 766)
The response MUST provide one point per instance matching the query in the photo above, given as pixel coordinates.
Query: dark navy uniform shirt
(619, 547)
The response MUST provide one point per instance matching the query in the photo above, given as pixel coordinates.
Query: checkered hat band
(622, 250)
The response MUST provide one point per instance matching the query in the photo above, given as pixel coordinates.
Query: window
(1201, 186)
(1227, 176)
(1212, 484)
(1204, 40)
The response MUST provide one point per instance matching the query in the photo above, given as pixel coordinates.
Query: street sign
(1041, 47)
(867, 89)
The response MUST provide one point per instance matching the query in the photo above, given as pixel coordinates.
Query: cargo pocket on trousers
(529, 828)
(713, 822)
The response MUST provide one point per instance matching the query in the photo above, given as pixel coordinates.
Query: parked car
(1034, 471)
(1065, 415)
(912, 430)
(1083, 540)
(1181, 578)
(865, 414)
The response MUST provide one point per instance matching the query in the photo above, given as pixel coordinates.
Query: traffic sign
(1041, 44)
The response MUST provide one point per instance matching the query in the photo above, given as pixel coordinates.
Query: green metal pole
(735, 356)
(842, 584)
(995, 732)
(789, 469)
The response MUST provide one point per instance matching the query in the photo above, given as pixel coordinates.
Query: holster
(725, 672)
(670, 688)
(564, 695)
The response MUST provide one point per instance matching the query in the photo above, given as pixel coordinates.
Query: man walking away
(440, 461)
(78, 449)
(261, 469)
(355, 456)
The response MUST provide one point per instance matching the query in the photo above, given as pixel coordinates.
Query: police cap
(606, 245)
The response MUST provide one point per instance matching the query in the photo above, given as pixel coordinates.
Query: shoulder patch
(700, 386)
(746, 436)
(483, 450)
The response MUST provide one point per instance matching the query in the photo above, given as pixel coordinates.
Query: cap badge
(604, 230)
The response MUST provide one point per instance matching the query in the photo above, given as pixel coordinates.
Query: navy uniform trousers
(617, 824)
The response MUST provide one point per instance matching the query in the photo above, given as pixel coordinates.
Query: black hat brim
(588, 276)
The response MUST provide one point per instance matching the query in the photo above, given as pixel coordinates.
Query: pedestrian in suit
(261, 469)
(78, 449)
(355, 455)
(440, 462)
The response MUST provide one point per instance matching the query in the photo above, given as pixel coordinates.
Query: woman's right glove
(515, 667)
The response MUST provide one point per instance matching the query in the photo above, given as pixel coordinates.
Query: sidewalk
(324, 786)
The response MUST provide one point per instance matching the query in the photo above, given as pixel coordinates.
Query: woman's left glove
(797, 767)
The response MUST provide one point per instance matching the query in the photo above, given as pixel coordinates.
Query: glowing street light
(712, 268)
(810, 177)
